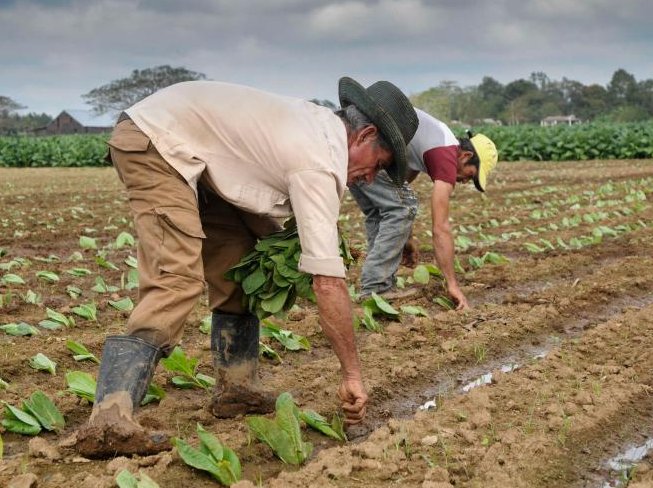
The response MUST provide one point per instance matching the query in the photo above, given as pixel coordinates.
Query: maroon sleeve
(442, 163)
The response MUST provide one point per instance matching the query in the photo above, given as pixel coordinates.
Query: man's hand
(458, 297)
(410, 256)
(354, 400)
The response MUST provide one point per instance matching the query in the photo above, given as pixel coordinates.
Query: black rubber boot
(128, 364)
(234, 344)
(127, 367)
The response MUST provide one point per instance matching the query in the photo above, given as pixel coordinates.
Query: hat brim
(480, 180)
(351, 92)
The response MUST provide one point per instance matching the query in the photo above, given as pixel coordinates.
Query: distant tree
(7, 105)
(622, 88)
(324, 103)
(123, 93)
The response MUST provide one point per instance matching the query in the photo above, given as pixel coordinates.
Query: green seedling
(12, 279)
(32, 298)
(212, 456)
(102, 287)
(80, 352)
(154, 393)
(475, 262)
(205, 324)
(81, 384)
(178, 362)
(79, 272)
(131, 261)
(288, 339)
(124, 304)
(533, 248)
(73, 291)
(45, 411)
(43, 363)
(414, 310)
(444, 302)
(268, 352)
(3, 384)
(48, 276)
(282, 434)
(87, 311)
(494, 258)
(335, 429)
(19, 421)
(86, 242)
(423, 273)
(56, 320)
(127, 480)
(125, 239)
(2, 448)
(374, 306)
(19, 329)
(102, 262)
(129, 281)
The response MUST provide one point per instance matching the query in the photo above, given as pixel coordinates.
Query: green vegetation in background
(571, 143)
(54, 151)
(516, 143)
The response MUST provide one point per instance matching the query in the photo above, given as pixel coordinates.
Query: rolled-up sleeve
(314, 197)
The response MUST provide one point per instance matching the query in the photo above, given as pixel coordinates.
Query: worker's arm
(443, 245)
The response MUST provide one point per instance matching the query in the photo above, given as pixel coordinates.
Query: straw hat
(390, 111)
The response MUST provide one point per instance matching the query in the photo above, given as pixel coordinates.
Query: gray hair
(356, 120)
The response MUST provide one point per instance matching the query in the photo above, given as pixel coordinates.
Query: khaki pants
(181, 242)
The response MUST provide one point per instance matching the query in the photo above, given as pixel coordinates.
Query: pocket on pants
(181, 242)
(129, 138)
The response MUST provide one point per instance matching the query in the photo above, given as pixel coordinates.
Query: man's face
(466, 172)
(366, 157)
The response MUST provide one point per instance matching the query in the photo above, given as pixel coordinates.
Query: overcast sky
(53, 51)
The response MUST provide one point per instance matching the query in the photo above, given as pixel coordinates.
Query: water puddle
(621, 464)
(475, 378)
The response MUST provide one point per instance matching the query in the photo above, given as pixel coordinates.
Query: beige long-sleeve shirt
(264, 153)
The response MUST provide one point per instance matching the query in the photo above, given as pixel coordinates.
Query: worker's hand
(410, 256)
(354, 400)
(458, 297)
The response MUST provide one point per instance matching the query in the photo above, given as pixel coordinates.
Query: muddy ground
(566, 335)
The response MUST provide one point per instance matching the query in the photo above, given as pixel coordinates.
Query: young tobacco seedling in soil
(80, 352)
(56, 320)
(212, 456)
(43, 363)
(127, 480)
(283, 434)
(178, 362)
(38, 412)
(375, 305)
(19, 329)
(288, 339)
(81, 384)
(335, 429)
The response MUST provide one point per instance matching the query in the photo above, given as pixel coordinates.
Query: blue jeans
(389, 215)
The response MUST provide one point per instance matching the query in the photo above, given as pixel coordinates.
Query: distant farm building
(559, 120)
(78, 122)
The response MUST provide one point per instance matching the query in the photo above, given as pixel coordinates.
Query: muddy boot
(127, 367)
(234, 344)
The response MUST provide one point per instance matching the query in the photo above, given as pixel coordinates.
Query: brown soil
(577, 323)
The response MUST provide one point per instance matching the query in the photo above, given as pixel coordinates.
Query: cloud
(301, 47)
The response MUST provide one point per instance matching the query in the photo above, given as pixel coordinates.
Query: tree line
(525, 101)
(522, 101)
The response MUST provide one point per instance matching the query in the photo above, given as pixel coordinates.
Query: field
(546, 382)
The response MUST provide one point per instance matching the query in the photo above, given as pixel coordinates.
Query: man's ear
(465, 157)
(369, 131)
